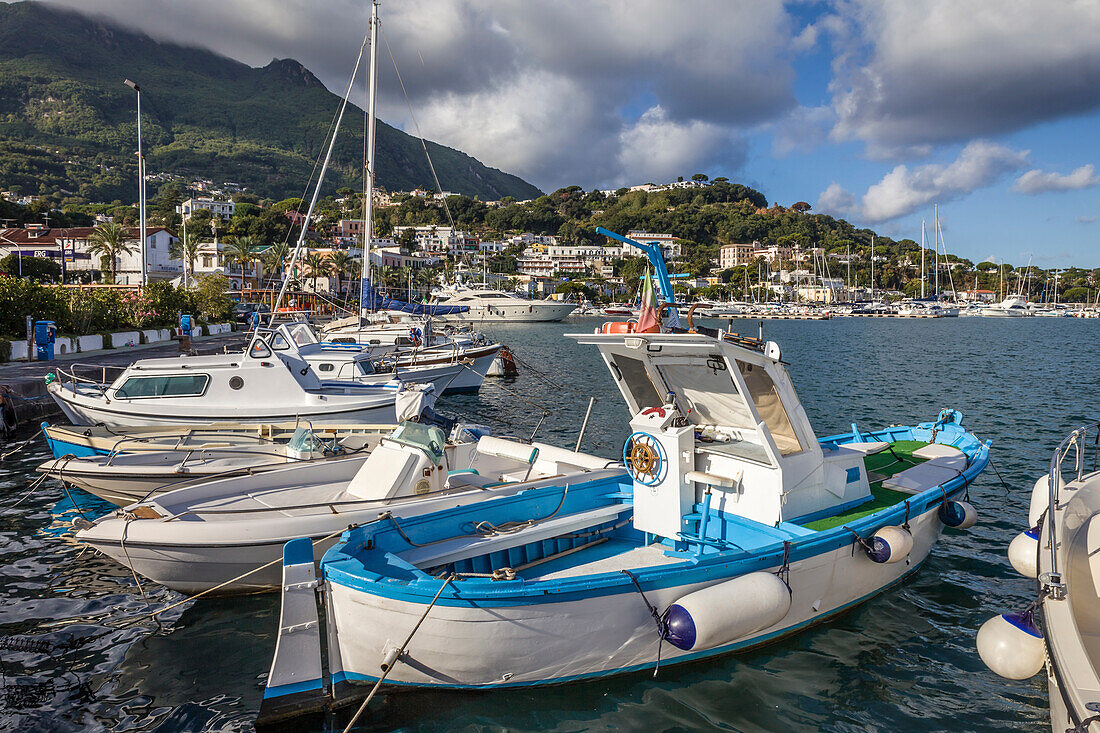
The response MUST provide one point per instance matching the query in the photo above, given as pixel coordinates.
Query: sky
(876, 111)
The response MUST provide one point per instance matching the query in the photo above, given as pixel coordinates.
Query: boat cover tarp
(375, 301)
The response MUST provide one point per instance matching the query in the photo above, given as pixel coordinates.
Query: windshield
(707, 392)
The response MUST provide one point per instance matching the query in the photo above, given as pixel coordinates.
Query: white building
(670, 247)
(734, 255)
(72, 242)
(220, 209)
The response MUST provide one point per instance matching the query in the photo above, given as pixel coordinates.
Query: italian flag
(647, 319)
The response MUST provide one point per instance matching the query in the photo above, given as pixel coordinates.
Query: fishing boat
(261, 385)
(735, 526)
(132, 471)
(228, 534)
(1058, 549)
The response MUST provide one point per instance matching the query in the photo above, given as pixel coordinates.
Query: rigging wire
(420, 135)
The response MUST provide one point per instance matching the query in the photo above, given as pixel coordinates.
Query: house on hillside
(68, 246)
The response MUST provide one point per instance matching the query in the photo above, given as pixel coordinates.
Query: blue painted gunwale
(340, 566)
(61, 448)
(756, 641)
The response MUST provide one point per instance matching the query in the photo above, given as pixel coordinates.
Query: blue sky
(874, 110)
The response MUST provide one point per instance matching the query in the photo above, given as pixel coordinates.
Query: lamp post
(141, 184)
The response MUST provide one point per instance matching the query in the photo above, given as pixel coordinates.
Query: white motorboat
(1014, 306)
(124, 476)
(260, 385)
(1059, 550)
(195, 538)
(349, 362)
(496, 305)
(735, 527)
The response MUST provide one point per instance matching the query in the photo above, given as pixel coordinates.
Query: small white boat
(125, 476)
(1059, 549)
(735, 527)
(260, 385)
(200, 537)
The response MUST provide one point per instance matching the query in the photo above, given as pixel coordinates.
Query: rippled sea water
(903, 661)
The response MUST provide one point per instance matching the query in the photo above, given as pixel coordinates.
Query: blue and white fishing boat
(735, 526)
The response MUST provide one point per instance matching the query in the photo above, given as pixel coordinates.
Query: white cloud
(1037, 181)
(914, 73)
(837, 201)
(658, 149)
(1086, 219)
(802, 130)
(550, 91)
(904, 189)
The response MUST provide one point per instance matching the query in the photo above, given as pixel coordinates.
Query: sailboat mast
(936, 257)
(922, 259)
(368, 164)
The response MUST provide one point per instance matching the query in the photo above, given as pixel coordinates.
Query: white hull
(546, 643)
(520, 313)
(88, 410)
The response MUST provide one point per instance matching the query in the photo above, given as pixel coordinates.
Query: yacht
(1014, 306)
(497, 305)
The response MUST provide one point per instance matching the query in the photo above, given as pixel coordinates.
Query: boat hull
(466, 645)
(87, 410)
(520, 313)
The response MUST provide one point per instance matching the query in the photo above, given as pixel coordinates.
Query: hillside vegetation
(68, 124)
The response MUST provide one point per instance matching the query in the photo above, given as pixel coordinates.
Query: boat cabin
(718, 421)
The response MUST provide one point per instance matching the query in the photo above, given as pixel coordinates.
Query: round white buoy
(890, 544)
(958, 514)
(1023, 553)
(1011, 646)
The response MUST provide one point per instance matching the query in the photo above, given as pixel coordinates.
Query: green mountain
(68, 124)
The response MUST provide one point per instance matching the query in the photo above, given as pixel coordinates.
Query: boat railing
(73, 374)
(1076, 442)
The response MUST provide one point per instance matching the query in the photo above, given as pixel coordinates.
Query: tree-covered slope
(68, 123)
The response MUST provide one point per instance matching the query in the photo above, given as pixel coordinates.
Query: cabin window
(259, 349)
(279, 343)
(325, 367)
(184, 385)
(707, 391)
(770, 407)
(638, 383)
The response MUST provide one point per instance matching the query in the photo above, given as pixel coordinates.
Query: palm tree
(108, 240)
(186, 248)
(275, 257)
(341, 262)
(243, 251)
(318, 265)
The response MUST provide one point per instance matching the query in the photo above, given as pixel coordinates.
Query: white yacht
(497, 305)
(1014, 306)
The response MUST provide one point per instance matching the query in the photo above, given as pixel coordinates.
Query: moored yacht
(1014, 306)
(497, 305)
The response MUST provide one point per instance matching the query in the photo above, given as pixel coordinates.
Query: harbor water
(902, 661)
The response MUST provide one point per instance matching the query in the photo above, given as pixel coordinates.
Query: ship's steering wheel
(645, 459)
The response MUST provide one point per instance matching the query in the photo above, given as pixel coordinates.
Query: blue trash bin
(44, 336)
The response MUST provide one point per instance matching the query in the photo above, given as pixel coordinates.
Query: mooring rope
(397, 656)
(662, 627)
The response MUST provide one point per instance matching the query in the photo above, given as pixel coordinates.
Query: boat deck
(880, 467)
(606, 557)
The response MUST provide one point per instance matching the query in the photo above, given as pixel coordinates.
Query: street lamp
(141, 183)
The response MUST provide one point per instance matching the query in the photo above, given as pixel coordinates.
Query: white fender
(890, 544)
(1012, 646)
(726, 612)
(1023, 553)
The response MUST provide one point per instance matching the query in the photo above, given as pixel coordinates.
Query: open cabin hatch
(751, 443)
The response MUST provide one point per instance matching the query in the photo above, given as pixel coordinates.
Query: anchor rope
(662, 627)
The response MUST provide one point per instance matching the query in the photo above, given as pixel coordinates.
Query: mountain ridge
(68, 124)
